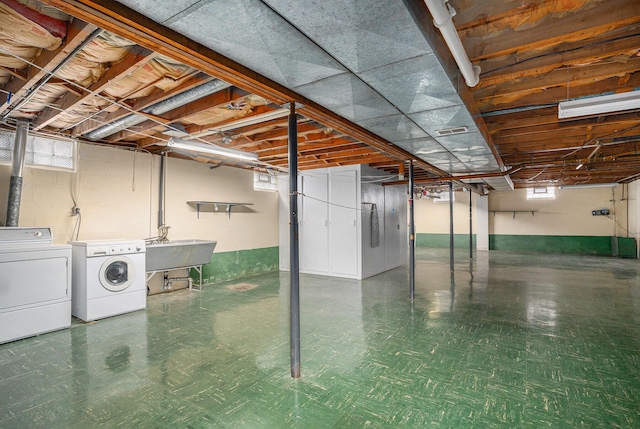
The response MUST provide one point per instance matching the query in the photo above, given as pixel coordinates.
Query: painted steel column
(470, 227)
(15, 183)
(161, 189)
(294, 255)
(451, 226)
(412, 239)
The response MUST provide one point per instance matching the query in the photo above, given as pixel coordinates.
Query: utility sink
(170, 255)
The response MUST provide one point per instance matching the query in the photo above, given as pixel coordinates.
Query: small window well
(548, 192)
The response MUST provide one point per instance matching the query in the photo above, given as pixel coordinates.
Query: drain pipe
(15, 185)
(442, 14)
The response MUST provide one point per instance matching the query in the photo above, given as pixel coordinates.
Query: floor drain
(242, 286)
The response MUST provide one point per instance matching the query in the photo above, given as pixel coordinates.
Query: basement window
(47, 152)
(264, 182)
(547, 192)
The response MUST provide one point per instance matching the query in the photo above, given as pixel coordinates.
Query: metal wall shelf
(199, 204)
(513, 211)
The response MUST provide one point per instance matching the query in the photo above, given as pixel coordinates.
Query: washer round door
(117, 273)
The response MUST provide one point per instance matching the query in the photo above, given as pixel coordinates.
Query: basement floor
(515, 340)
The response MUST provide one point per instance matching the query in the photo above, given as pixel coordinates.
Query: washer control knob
(138, 248)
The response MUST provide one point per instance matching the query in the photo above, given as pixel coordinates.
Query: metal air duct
(159, 108)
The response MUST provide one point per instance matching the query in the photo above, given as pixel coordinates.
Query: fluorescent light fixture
(211, 149)
(245, 122)
(597, 105)
(588, 185)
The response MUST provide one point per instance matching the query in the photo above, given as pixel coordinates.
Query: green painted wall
(592, 245)
(241, 263)
(442, 240)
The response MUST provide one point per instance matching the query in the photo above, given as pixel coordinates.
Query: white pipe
(442, 14)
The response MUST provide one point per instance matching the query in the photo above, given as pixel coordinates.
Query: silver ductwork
(159, 108)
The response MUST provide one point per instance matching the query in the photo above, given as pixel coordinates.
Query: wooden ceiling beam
(114, 112)
(134, 26)
(513, 70)
(178, 114)
(77, 32)
(572, 26)
(134, 59)
(553, 95)
(565, 78)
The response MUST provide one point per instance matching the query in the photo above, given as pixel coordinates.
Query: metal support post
(451, 225)
(470, 227)
(412, 238)
(294, 310)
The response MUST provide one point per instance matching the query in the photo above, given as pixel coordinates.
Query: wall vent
(451, 131)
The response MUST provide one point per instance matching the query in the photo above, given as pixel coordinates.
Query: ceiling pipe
(159, 108)
(442, 18)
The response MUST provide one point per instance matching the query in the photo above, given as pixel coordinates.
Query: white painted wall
(117, 192)
(433, 217)
(568, 214)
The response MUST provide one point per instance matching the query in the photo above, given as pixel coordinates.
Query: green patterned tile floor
(512, 340)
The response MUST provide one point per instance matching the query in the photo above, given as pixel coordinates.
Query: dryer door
(117, 273)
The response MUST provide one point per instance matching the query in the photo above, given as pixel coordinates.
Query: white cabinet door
(314, 244)
(343, 228)
(395, 227)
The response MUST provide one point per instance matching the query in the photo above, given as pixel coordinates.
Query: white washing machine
(108, 278)
(35, 280)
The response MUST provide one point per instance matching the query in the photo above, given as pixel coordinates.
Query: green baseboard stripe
(240, 263)
(627, 247)
(442, 240)
(578, 244)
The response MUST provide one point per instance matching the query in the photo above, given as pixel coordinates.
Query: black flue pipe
(412, 238)
(451, 225)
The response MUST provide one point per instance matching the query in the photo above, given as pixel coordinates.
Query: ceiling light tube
(588, 185)
(598, 105)
(210, 149)
(442, 14)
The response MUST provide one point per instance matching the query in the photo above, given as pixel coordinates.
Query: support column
(15, 183)
(412, 238)
(294, 252)
(451, 225)
(470, 226)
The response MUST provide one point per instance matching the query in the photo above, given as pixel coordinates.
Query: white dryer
(35, 280)
(108, 278)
